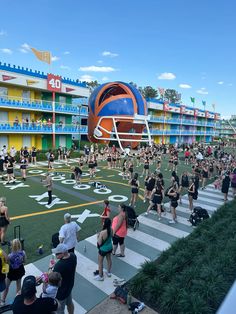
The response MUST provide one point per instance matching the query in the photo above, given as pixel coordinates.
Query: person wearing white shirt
(13, 152)
(68, 233)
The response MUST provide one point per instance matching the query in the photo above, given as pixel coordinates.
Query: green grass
(38, 229)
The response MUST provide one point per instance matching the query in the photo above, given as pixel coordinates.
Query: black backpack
(55, 240)
(199, 214)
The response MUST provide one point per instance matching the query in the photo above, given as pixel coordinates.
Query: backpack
(55, 240)
(195, 195)
(199, 214)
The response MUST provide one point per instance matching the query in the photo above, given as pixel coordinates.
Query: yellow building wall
(15, 140)
(14, 92)
(157, 139)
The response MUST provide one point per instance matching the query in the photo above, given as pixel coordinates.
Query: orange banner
(44, 56)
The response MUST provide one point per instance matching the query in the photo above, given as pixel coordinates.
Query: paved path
(145, 244)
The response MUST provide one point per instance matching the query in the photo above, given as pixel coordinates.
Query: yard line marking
(55, 210)
(85, 268)
(163, 227)
(149, 240)
(131, 257)
(112, 175)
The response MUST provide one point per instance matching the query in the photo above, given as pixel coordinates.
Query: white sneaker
(144, 201)
(171, 222)
(98, 278)
(108, 274)
(146, 214)
(159, 218)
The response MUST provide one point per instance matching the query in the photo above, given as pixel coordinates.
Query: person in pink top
(119, 227)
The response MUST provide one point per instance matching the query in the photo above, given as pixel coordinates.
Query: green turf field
(27, 208)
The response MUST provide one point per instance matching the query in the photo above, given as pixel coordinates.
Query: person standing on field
(48, 184)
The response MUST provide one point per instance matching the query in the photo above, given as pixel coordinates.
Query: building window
(62, 100)
(3, 92)
(26, 95)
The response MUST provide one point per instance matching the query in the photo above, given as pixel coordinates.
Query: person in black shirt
(28, 303)
(66, 266)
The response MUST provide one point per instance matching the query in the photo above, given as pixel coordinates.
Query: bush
(195, 274)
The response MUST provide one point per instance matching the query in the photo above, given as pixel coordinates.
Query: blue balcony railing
(43, 105)
(42, 129)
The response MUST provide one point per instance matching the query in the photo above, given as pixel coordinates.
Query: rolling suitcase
(17, 235)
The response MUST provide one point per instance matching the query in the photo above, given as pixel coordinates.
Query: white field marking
(206, 199)
(195, 203)
(131, 257)
(163, 227)
(85, 214)
(31, 269)
(167, 215)
(212, 194)
(42, 163)
(147, 239)
(85, 268)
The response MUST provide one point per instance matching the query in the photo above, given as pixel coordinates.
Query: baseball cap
(29, 287)
(67, 216)
(61, 248)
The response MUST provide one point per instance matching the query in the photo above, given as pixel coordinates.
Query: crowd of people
(140, 168)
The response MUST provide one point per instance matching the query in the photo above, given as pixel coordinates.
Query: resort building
(40, 110)
(228, 128)
(47, 111)
(176, 123)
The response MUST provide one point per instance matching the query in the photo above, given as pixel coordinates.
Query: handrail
(44, 104)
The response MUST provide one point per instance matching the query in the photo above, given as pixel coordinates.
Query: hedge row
(195, 274)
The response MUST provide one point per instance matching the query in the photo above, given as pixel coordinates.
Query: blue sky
(188, 45)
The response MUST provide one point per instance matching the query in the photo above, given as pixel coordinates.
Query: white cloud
(94, 68)
(6, 50)
(202, 91)
(99, 61)
(105, 79)
(109, 54)
(185, 86)
(166, 76)
(25, 48)
(220, 82)
(66, 52)
(64, 67)
(55, 58)
(3, 33)
(86, 78)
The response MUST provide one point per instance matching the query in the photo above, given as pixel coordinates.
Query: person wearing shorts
(157, 197)
(104, 245)
(119, 227)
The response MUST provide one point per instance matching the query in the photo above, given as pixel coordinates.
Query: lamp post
(79, 126)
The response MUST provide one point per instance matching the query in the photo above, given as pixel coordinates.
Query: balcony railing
(43, 105)
(42, 128)
(181, 132)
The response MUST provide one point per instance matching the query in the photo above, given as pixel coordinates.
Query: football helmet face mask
(118, 112)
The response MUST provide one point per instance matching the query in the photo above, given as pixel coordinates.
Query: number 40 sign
(54, 83)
